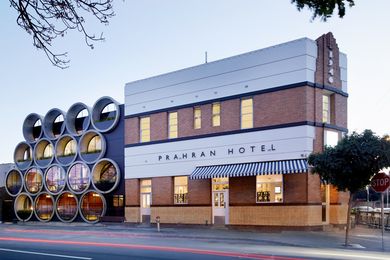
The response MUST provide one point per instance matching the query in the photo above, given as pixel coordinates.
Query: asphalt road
(99, 242)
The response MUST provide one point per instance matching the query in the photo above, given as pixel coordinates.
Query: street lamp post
(368, 200)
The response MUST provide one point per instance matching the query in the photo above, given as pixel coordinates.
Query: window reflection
(78, 177)
(55, 179)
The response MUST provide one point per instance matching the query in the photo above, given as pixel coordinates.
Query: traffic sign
(380, 182)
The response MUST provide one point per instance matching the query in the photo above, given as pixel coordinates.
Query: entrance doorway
(220, 200)
(146, 200)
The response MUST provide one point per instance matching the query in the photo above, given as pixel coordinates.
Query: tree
(351, 164)
(324, 8)
(45, 20)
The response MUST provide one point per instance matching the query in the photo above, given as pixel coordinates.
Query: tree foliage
(353, 161)
(45, 20)
(324, 8)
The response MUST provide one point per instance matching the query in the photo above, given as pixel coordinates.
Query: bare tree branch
(45, 20)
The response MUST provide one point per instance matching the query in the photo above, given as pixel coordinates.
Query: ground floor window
(117, 200)
(269, 188)
(181, 190)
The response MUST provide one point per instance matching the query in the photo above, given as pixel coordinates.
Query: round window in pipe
(44, 207)
(92, 206)
(105, 114)
(66, 150)
(33, 181)
(66, 207)
(78, 119)
(32, 128)
(78, 177)
(44, 153)
(14, 182)
(54, 123)
(23, 207)
(105, 175)
(55, 179)
(92, 146)
(23, 155)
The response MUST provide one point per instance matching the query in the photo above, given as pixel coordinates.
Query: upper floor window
(197, 118)
(181, 190)
(70, 148)
(326, 109)
(145, 129)
(216, 114)
(172, 125)
(48, 151)
(94, 145)
(246, 113)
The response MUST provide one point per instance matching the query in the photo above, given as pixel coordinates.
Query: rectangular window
(216, 117)
(246, 113)
(326, 109)
(172, 125)
(331, 138)
(269, 188)
(117, 200)
(197, 118)
(181, 190)
(145, 129)
(146, 186)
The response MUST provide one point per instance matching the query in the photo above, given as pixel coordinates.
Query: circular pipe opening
(14, 182)
(92, 146)
(78, 177)
(78, 119)
(66, 150)
(54, 123)
(32, 128)
(105, 114)
(44, 207)
(23, 207)
(33, 181)
(44, 153)
(55, 179)
(92, 206)
(105, 175)
(66, 207)
(23, 155)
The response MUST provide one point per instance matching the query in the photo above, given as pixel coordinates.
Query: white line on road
(45, 254)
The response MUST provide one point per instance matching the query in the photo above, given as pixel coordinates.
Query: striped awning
(250, 169)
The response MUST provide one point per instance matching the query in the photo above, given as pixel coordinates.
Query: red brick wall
(132, 192)
(295, 188)
(158, 126)
(242, 190)
(132, 130)
(341, 110)
(162, 191)
(230, 115)
(199, 192)
(313, 188)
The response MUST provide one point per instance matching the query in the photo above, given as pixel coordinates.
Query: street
(80, 241)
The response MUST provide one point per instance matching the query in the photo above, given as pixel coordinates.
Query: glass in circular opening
(66, 150)
(44, 207)
(92, 206)
(23, 207)
(23, 155)
(14, 182)
(105, 175)
(66, 207)
(55, 179)
(92, 146)
(33, 180)
(78, 177)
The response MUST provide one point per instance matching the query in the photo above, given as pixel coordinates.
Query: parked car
(385, 210)
(362, 209)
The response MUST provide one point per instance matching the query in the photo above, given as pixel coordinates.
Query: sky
(152, 37)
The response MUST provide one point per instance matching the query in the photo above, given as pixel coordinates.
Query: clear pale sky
(147, 38)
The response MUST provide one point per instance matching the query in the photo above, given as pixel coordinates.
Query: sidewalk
(361, 237)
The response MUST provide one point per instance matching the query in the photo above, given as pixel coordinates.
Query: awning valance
(250, 169)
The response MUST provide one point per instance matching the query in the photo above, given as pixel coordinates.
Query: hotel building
(227, 142)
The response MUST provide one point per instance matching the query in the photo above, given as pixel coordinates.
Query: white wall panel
(181, 157)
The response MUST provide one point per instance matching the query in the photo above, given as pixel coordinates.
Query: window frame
(173, 128)
(197, 112)
(142, 130)
(185, 197)
(215, 114)
(281, 189)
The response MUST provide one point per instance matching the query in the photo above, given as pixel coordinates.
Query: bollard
(158, 223)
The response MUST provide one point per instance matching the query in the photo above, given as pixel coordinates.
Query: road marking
(45, 254)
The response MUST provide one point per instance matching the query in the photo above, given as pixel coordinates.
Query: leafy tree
(351, 164)
(324, 8)
(45, 20)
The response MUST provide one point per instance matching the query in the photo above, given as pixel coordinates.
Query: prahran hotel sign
(213, 152)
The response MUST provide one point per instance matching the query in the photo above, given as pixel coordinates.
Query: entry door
(221, 207)
(145, 206)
